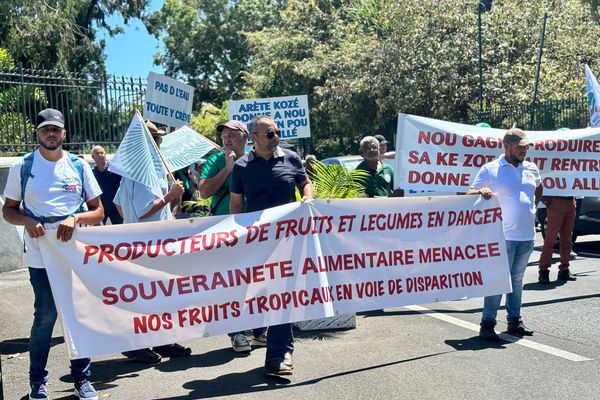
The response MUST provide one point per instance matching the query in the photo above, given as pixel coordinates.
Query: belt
(49, 220)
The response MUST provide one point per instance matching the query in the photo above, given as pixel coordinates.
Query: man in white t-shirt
(519, 187)
(50, 189)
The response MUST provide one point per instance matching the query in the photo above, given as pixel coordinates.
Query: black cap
(49, 116)
(381, 139)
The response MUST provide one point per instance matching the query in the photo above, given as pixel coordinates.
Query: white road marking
(509, 338)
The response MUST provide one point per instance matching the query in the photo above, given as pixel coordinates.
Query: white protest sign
(140, 285)
(445, 156)
(289, 113)
(168, 101)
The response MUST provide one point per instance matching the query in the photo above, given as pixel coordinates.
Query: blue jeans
(518, 255)
(280, 340)
(44, 317)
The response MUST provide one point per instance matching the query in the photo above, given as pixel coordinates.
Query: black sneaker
(518, 328)
(544, 276)
(278, 367)
(564, 275)
(487, 333)
(172, 350)
(144, 356)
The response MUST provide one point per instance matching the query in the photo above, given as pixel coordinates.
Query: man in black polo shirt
(268, 176)
(109, 183)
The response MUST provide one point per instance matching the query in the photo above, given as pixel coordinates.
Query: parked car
(587, 220)
(348, 162)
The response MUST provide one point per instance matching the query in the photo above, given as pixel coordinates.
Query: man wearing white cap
(519, 187)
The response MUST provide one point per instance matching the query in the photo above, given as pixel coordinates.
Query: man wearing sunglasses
(268, 177)
(215, 181)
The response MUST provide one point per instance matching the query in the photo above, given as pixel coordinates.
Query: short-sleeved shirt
(136, 199)
(379, 183)
(53, 189)
(109, 183)
(516, 192)
(267, 183)
(215, 163)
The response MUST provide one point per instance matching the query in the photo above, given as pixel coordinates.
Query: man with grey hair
(268, 177)
(109, 183)
(380, 182)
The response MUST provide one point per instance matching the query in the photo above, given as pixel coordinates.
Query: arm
(119, 210)
(93, 216)
(538, 194)
(486, 192)
(174, 194)
(236, 203)
(307, 189)
(12, 215)
(209, 186)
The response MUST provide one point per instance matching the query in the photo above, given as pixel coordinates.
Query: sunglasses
(270, 134)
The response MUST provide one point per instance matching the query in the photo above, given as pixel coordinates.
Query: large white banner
(139, 285)
(434, 155)
(168, 101)
(289, 113)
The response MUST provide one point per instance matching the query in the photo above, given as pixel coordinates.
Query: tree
(206, 42)
(364, 61)
(61, 34)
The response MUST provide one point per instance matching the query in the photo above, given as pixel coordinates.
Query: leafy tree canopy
(206, 41)
(61, 34)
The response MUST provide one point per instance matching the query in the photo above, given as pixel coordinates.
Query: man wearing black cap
(52, 187)
(383, 148)
(137, 203)
(519, 187)
(215, 181)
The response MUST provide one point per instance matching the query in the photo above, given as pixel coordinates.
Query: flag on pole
(593, 92)
(183, 147)
(137, 157)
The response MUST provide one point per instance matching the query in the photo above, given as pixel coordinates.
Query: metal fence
(549, 115)
(97, 109)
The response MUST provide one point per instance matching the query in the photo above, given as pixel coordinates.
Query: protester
(193, 172)
(309, 164)
(560, 217)
(380, 182)
(383, 148)
(518, 185)
(109, 183)
(136, 203)
(268, 176)
(215, 181)
(51, 186)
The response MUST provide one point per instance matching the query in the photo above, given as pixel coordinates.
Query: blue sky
(131, 53)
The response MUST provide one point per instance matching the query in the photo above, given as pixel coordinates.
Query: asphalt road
(420, 352)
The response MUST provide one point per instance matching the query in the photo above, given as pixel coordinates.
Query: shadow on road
(474, 343)
(21, 345)
(255, 381)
